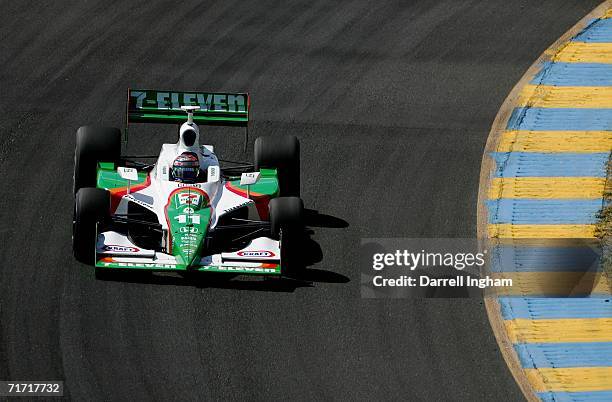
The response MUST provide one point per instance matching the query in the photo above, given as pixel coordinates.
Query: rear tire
(94, 144)
(287, 225)
(282, 154)
(91, 207)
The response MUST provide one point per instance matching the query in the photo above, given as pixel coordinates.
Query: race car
(186, 212)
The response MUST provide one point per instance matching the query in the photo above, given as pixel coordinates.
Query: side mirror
(128, 173)
(214, 173)
(249, 178)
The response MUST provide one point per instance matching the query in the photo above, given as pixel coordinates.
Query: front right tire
(287, 225)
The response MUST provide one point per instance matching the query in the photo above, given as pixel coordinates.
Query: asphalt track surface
(392, 101)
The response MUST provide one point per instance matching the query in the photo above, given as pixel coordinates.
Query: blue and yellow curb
(542, 185)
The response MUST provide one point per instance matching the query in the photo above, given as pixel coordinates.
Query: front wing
(260, 257)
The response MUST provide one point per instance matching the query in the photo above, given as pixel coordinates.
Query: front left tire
(91, 208)
(283, 154)
(94, 144)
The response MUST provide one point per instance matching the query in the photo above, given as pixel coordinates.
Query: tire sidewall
(282, 154)
(91, 207)
(93, 144)
(286, 225)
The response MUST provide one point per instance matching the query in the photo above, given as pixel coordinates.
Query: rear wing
(216, 108)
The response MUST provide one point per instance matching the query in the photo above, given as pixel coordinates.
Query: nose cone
(188, 255)
(188, 213)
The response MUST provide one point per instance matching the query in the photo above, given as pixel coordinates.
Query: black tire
(287, 225)
(91, 207)
(94, 144)
(283, 154)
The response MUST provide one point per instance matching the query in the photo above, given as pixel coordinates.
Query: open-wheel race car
(186, 212)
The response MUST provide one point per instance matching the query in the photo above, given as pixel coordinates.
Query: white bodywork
(155, 196)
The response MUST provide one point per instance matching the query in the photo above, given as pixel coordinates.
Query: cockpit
(187, 161)
(186, 169)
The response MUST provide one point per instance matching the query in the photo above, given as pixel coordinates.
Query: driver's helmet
(186, 167)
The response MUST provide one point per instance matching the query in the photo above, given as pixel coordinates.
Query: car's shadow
(310, 253)
(315, 219)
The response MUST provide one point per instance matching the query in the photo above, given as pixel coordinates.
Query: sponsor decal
(189, 198)
(256, 253)
(188, 229)
(205, 268)
(193, 219)
(188, 210)
(196, 185)
(139, 202)
(140, 264)
(121, 249)
(178, 200)
(127, 173)
(174, 100)
(239, 269)
(235, 207)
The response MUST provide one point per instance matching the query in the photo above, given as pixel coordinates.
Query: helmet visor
(185, 173)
